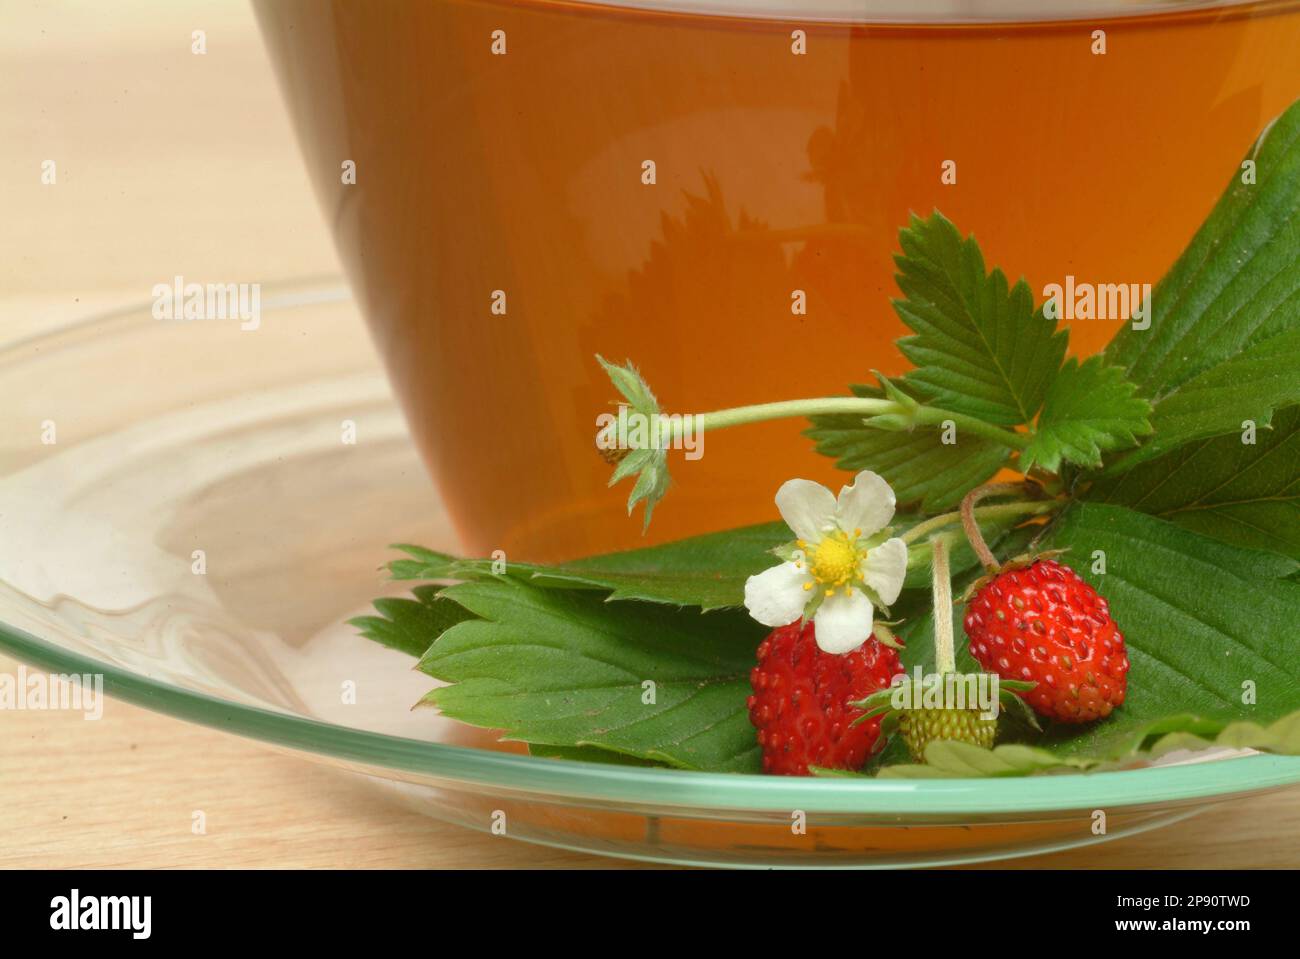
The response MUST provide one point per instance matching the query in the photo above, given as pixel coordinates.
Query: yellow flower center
(835, 561)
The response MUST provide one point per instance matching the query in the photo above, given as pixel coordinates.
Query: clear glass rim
(564, 779)
(630, 784)
(918, 12)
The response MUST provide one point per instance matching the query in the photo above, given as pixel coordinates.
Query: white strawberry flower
(839, 570)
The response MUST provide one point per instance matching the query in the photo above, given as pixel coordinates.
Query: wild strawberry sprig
(638, 439)
(828, 690)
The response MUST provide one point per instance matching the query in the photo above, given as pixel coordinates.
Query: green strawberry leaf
(564, 668)
(1281, 736)
(411, 625)
(1244, 389)
(649, 464)
(921, 468)
(1201, 619)
(1237, 283)
(954, 760)
(706, 571)
(629, 382)
(1245, 494)
(586, 754)
(1204, 622)
(947, 759)
(1090, 409)
(980, 347)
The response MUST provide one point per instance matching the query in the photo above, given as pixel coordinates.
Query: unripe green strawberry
(920, 727)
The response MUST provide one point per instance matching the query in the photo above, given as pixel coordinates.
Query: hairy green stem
(1019, 508)
(867, 406)
(972, 527)
(945, 658)
(761, 412)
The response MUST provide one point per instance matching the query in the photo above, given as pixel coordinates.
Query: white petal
(843, 622)
(885, 568)
(867, 504)
(808, 508)
(776, 597)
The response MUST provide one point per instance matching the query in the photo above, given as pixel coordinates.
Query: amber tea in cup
(517, 185)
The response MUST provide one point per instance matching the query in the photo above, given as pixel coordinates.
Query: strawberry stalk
(997, 511)
(921, 725)
(945, 659)
(887, 409)
(972, 527)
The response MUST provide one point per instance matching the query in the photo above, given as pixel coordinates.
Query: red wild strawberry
(801, 701)
(1042, 623)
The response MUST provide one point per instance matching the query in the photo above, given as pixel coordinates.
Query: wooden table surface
(121, 791)
(175, 163)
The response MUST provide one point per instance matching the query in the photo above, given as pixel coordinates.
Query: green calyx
(935, 707)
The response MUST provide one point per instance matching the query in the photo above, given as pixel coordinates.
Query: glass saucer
(182, 512)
